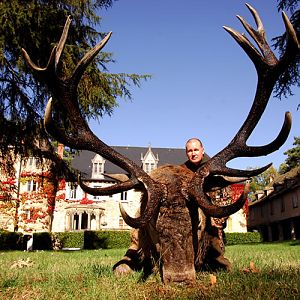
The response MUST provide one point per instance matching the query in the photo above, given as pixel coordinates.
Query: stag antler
(268, 68)
(65, 91)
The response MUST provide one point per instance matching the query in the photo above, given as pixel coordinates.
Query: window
(93, 222)
(98, 169)
(31, 161)
(295, 200)
(31, 186)
(76, 222)
(124, 196)
(37, 163)
(98, 166)
(148, 167)
(84, 221)
(73, 191)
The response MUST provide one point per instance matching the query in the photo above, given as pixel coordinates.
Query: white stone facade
(87, 212)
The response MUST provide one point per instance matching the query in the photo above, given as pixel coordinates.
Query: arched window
(93, 222)
(76, 222)
(84, 221)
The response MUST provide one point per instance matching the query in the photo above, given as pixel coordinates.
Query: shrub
(42, 241)
(11, 240)
(102, 239)
(95, 240)
(69, 239)
(106, 239)
(235, 238)
(118, 239)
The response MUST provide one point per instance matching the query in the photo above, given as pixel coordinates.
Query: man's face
(194, 152)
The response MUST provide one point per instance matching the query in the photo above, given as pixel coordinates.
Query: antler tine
(64, 91)
(55, 53)
(248, 151)
(258, 35)
(206, 205)
(57, 133)
(292, 45)
(236, 172)
(110, 190)
(242, 40)
(89, 56)
(62, 41)
(36, 68)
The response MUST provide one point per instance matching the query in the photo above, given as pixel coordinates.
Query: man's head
(194, 150)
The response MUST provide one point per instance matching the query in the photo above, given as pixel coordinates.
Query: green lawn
(274, 274)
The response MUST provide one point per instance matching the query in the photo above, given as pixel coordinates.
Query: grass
(262, 271)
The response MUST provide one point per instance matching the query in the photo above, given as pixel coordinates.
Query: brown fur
(180, 239)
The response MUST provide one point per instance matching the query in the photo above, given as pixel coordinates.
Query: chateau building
(276, 211)
(38, 204)
(80, 211)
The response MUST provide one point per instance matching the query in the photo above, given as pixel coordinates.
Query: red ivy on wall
(45, 193)
(237, 190)
(85, 200)
(7, 188)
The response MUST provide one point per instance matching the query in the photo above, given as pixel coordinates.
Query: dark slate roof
(83, 163)
(289, 175)
(282, 184)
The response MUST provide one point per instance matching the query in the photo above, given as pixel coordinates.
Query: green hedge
(69, 239)
(102, 239)
(42, 241)
(105, 239)
(235, 238)
(117, 239)
(11, 240)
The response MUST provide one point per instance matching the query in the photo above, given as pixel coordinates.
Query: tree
(36, 25)
(291, 77)
(261, 181)
(293, 159)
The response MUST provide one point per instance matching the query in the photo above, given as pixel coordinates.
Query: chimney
(60, 151)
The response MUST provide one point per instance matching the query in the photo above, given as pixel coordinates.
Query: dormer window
(149, 161)
(148, 167)
(98, 166)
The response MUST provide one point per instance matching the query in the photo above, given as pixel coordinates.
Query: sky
(202, 84)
